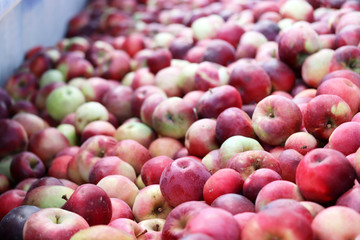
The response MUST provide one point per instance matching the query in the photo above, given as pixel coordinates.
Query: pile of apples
(187, 119)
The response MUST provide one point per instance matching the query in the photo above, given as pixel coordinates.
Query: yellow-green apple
(316, 66)
(159, 59)
(172, 117)
(132, 152)
(346, 57)
(302, 142)
(186, 80)
(48, 196)
(236, 144)
(58, 167)
(350, 199)
(148, 107)
(99, 127)
(120, 209)
(296, 43)
(275, 118)
(69, 131)
(50, 76)
(183, 180)
(12, 225)
(332, 223)
(139, 96)
(21, 86)
(26, 165)
(121, 187)
(46, 143)
(324, 113)
(289, 161)
(247, 162)
(53, 223)
(277, 189)
(89, 112)
(13, 137)
(206, 27)
(91, 151)
(298, 10)
(31, 122)
(216, 100)
(324, 188)
(111, 165)
(234, 203)
(251, 80)
(270, 223)
(345, 138)
(257, 180)
(10, 200)
(150, 203)
(102, 232)
(213, 222)
(92, 203)
(221, 182)
(137, 131)
(114, 67)
(212, 161)
(152, 169)
(153, 228)
(118, 102)
(233, 121)
(165, 146)
(167, 80)
(209, 75)
(200, 137)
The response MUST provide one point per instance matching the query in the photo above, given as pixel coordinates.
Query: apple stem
(64, 197)
(142, 233)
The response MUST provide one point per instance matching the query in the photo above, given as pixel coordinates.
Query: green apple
(50, 76)
(69, 132)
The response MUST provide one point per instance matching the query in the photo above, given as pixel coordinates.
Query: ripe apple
(345, 138)
(346, 57)
(302, 142)
(165, 146)
(209, 75)
(31, 122)
(289, 160)
(26, 165)
(167, 80)
(10, 200)
(153, 228)
(22, 85)
(89, 112)
(152, 169)
(350, 199)
(13, 138)
(120, 209)
(159, 59)
(234, 203)
(139, 95)
(102, 232)
(137, 131)
(211, 161)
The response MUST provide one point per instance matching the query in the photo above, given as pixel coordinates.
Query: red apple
(346, 57)
(120, 209)
(233, 203)
(152, 169)
(289, 161)
(165, 146)
(13, 138)
(26, 165)
(10, 200)
(345, 138)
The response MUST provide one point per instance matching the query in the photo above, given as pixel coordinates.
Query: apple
(137, 131)
(138, 78)
(98, 52)
(206, 27)
(220, 52)
(186, 80)
(302, 142)
(21, 86)
(153, 228)
(183, 180)
(159, 59)
(89, 112)
(12, 225)
(51, 76)
(180, 46)
(344, 138)
(102, 232)
(324, 188)
(209, 75)
(233, 203)
(31, 122)
(148, 107)
(324, 113)
(73, 64)
(167, 80)
(257, 180)
(120, 209)
(95, 88)
(350, 199)
(165, 146)
(26, 165)
(53, 223)
(69, 131)
(344, 73)
(121, 187)
(47, 181)
(346, 57)
(13, 138)
(115, 67)
(139, 96)
(211, 161)
(331, 223)
(289, 160)
(92, 203)
(312, 207)
(10, 200)
(129, 226)
(152, 169)
(297, 10)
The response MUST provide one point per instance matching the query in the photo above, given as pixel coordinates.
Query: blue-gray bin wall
(28, 23)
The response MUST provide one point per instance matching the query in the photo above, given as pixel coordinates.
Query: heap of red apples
(187, 119)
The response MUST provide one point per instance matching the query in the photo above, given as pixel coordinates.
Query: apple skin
(118, 186)
(127, 225)
(48, 196)
(343, 73)
(277, 189)
(216, 100)
(21, 86)
(249, 161)
(31, 122)
(220, 52)
(346, 57)
(59, 165)
(223, 181)
(212, 222)
(348, 35)
(111, 165)
(324, 113)
(120, 209)
(312, 207)
(148, 107)
(13, 138)
(10, 200)
(209, 75)
(165, 146)
(289, 160)
(139, 95)
(152, 169)
(26, 165)
(257, 180)
(138, 131)
(233, 203)
(324, 188)
(331, 223)
(161, 58)
(115, 67)
(350, 199)
(47, 181)
(89, 112)
(153, 228)
(182, 188)
(73, 64)
(275, 118)
(302, 142)
(53, 223)
(172, 117)
(345, 138)
(200, 137)
(5, 183)
(251, 80)
(270, 223)
(12, 225)
(150, 204)
(92, 203)
(25, 184)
